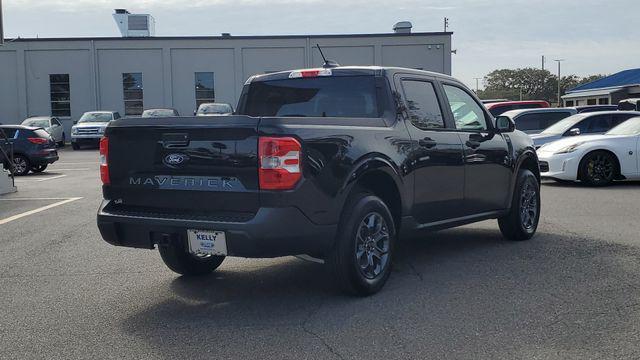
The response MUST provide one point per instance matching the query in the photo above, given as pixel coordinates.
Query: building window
(591, 101)
(568, 103)
(133, 93)
(60, 95)
(205, 92)
(603, 101)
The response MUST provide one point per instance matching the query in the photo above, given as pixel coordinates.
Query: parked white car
(50, 124)
(214, 109)
(594, 159)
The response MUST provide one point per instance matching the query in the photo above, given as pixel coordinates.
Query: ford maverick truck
(337, 163)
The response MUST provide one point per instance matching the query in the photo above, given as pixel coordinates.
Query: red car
(498, 108)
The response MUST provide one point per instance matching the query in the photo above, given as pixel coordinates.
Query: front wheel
(75, 146)
(362, 254)
(598, 168)
(182, 262)
(522, 220)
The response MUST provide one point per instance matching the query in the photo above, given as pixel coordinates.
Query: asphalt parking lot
(572, 292)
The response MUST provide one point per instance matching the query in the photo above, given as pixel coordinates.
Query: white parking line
(79, 163)
(21, 181)
(34, 199)
(35, 211)
(79, 169)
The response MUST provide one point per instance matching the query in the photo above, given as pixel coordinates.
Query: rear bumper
(41, 159)
(271, 232)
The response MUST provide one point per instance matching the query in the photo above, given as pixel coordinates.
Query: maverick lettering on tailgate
(196, 183)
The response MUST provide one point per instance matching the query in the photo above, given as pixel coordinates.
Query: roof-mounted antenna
(327, 63)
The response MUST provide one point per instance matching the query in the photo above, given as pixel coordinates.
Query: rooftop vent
(402, 27)
(134, 25)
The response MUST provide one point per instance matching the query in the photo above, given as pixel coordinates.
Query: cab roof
(348, 71)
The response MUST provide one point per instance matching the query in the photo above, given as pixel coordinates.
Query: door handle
(427, 142)
(171, 140)
(473, 144)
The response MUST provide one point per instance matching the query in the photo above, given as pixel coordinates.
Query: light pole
(477, 87)
(559, 61)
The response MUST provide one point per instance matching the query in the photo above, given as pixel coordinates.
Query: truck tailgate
(193, 165)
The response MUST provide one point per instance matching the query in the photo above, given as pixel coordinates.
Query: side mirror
(75, 122)
(195, 112)
(574, 132)
(505, 124)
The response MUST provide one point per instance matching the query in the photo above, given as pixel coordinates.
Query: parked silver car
(90, 128)
(533, 121)
(50, 124)
(214, 109)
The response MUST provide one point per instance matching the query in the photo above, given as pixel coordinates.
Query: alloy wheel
(528, 205)
(372, 245)
(600, 168)
(19, 165)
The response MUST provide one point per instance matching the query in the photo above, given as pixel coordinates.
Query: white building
(65, 77)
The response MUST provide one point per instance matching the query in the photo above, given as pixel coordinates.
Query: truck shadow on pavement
(459, 293)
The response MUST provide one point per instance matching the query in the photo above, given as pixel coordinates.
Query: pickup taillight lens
(37, 140)
(104, 157)
(279, 163)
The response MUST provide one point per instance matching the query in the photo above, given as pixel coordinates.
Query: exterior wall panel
(9, 98)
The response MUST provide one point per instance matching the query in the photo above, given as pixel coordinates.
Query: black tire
(21, 165)
(39, 168)
(176, 257)
(75, 146)
(62, 142)
(522, 220)
(352, 238)
(598, 168)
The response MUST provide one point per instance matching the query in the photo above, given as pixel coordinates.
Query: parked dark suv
(337, 163)
(33, 148)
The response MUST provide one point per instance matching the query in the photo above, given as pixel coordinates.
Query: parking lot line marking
(79, 163)
(79, 169)
(34, 199)
(23, 181)
(35, 211)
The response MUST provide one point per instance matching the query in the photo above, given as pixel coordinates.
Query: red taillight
(38, 141)
(279, 163)
(104, 157)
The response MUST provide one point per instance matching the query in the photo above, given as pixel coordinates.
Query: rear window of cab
(331, 96)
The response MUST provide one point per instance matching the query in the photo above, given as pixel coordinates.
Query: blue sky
(594, 36)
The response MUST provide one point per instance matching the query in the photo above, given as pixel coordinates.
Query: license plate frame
(207, 242)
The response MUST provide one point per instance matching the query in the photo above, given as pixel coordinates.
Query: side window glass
(116, 116)
(619, 119)
(422, 105)
(599, 124)
(467, 113)
(527, 122)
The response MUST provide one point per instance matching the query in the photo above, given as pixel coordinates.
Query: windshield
(563, 125)
(214, 109)
(95, 117)
(338, 96)
(158, 113)
(43, 123)
(629, 127)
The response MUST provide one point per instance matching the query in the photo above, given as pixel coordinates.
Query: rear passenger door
(436, 153)
(486, 154)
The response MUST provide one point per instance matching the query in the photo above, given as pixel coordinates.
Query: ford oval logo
(175, 159)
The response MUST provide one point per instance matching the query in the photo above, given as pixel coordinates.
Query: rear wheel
(598, 168)
(182, 262)
(522, 220)
(39, 168)
(362, 254)
(21, 165)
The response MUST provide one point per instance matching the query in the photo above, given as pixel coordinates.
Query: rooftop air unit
(134, 25)
(402, 27)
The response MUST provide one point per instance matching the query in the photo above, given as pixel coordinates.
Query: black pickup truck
(337, 163)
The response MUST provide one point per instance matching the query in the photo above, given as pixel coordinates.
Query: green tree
(529, 84)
